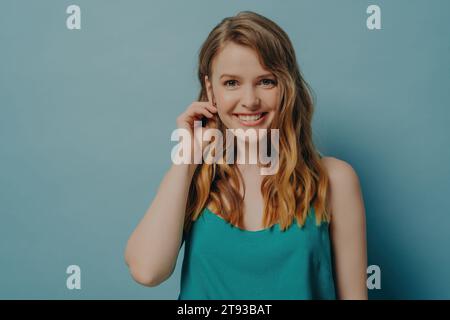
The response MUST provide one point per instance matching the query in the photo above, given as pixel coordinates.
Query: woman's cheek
(272, 100)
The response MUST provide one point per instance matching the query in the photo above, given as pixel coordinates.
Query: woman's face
(246, 94)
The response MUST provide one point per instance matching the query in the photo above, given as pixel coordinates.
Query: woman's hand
(196, 112)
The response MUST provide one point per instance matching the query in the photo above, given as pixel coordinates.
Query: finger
(198, 113)
(208, 105)
(202, 109)
(211, 108)
(207, 113)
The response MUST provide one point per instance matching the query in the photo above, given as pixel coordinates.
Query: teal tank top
(222, 261)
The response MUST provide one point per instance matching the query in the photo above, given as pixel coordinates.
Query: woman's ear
(208, 87)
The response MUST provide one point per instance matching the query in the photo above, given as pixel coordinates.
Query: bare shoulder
(339, 172)
(344, 184)
(347, 229)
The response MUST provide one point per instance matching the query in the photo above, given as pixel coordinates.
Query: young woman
(296, 234)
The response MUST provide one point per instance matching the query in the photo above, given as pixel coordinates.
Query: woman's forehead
(238, 60)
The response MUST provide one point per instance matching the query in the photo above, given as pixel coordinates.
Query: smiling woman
(245, 92)
(298, 233)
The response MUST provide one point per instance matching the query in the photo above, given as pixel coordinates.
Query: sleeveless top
(222, 261)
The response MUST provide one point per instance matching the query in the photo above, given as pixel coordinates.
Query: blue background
(86, 117)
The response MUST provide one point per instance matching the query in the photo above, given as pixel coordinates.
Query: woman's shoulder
(346, 195)
(339, 171)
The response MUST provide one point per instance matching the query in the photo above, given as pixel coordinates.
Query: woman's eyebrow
(238, 77)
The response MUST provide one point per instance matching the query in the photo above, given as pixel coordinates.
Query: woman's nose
(250, 99)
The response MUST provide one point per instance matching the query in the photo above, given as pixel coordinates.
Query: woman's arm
(347, 230)
(153, 247)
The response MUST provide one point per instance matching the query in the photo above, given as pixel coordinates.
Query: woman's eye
(227, 82)
(265, 82)
(270, 81)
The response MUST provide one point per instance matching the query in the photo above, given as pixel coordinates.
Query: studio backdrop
(90, 92)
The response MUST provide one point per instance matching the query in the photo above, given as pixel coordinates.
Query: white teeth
(250, 118)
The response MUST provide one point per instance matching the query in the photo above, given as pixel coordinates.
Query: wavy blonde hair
(301, 180)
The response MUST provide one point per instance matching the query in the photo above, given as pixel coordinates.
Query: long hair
(301, 181)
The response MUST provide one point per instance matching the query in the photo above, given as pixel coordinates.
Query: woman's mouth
(251, 119)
